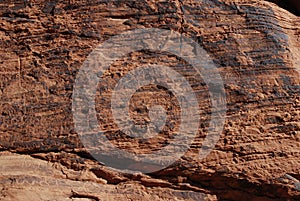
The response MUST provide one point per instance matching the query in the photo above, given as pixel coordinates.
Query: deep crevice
(80, 195)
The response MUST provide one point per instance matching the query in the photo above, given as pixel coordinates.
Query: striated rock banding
(255, 45)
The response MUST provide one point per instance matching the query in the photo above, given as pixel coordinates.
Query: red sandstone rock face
(254, 44)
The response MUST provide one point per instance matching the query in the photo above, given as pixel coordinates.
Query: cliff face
(255, 47)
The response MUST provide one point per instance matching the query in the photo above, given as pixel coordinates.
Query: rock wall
(254, 44)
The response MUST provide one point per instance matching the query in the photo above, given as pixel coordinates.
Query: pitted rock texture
(255, 45)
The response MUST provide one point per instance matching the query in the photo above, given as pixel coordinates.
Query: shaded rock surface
(26, 178)
(254, 44)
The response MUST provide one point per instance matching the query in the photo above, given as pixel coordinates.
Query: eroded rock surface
(26, 178)
(254, 44)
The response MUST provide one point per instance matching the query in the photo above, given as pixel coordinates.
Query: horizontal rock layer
(255, 46)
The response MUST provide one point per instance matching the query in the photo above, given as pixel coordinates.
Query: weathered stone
(255, 46)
